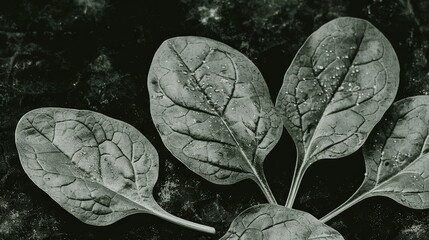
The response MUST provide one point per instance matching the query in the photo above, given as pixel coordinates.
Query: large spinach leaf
(396, 157)
(213, 110)
(273, 222)
(97, 168)
(337, 88)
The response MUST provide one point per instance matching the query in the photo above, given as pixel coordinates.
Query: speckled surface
(95, 54)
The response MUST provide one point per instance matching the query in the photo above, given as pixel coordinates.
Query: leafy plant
(337, 88)
(97, 168)
(212, 109)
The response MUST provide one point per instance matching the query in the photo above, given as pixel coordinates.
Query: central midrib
(231, 133)
(336, 90)
(384, 145)
(85, 179)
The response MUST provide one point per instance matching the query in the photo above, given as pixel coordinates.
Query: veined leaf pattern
(97, 168)
(396, 157)
(337, 88)
(273, 222)
(213, 110)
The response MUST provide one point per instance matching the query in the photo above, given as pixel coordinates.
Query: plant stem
(263, 184)
(296, 181)
(347, 204)
(158, 211)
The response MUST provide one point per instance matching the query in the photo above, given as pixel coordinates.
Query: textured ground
(95, 54)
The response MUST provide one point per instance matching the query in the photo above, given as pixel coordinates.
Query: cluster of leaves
(214, 113)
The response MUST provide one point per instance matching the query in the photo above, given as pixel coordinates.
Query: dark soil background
(95, 54)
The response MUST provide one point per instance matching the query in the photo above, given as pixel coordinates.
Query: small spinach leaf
(337, 88)
(213, 110)
(396, 157)
(270, 222)
(97, 168)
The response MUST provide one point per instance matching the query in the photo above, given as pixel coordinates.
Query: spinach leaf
(213, 110)
(270, 222)
(97, 168)
(337, 88)
(396, 157)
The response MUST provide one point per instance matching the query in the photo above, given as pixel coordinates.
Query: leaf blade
(97, 168)
(264, 222)
(402, 163)
(213, 110)
(348, 70)
(395, 156)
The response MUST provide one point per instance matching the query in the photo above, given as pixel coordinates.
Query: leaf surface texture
(273, 222)
(213, 110)
(97, 168)
(337, 88)
(396, 157)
